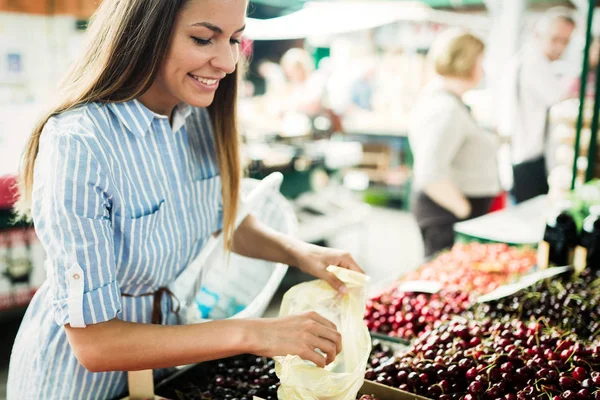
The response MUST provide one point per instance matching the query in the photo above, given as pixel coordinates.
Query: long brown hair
(128, 40)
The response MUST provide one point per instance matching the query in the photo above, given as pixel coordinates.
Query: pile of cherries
(570, 302)
(235, 378)
(407, 315)
(476, 267)
(238, 378)
(514, 360)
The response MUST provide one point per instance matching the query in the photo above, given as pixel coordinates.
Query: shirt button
(75, 276)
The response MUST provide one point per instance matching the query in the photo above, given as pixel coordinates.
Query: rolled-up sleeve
(436, 137)
(71, 212)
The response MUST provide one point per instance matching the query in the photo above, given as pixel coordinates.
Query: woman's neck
(457, 86)
(159, 102)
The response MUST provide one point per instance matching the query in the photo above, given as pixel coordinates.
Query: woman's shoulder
(436, 103)
(87, 124)
(81, 120)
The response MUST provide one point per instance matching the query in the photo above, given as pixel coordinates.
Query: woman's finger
(331, 335)
(315, 316)
(351, 264)
(336, 283)
(309, 354)
(327, 347)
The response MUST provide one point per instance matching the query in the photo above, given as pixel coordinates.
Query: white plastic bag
(343, 378)
(212, 287)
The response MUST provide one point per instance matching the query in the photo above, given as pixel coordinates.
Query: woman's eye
(201, 42)
(235, 41)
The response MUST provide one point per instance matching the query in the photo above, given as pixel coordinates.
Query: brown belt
(157, 316)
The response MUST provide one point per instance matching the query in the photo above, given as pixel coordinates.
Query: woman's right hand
(297, 335)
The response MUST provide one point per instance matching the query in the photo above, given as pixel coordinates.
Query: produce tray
(167, 387)
(167, 390)
(383, 392)
(391, 339)
(521, 224)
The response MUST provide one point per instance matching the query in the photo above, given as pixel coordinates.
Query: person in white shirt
(534, 89)
(455, 174)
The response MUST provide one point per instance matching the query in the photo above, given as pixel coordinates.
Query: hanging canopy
(327, 18)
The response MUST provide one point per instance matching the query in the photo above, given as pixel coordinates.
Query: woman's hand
(314, 260)
(297, 335)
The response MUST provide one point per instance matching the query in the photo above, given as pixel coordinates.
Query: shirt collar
(137, 118)
(182, 112)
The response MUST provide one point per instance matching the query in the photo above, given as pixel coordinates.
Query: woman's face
(204, 48)
(478, 71)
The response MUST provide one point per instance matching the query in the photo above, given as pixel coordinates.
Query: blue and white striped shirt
(122, 203)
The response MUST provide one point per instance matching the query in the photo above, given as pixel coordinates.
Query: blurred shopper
(305, 88)
(594, 57)
(535, 87)
(273, 76)
(455, 170)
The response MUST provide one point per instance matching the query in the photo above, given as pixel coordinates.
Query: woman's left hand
(314, 260)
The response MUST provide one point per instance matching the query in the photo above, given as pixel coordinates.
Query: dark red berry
(579, 373)
(569, 395)
(475, 388)
(583, 394)
(506, 367)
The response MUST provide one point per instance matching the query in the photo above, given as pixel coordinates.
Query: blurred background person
(273, 75)
(594, 57)
(305, 88)
(455, 169)
(535, 86)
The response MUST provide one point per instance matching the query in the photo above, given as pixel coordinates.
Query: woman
(127, 178)
(455, 170)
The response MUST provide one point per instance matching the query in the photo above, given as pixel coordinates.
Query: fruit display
(235, 378)
(407, 315)
(514, 360)
(475, 267)
(571, 303)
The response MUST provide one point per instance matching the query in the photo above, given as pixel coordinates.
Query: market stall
(521, 224)
(452, 330)
(478, 321)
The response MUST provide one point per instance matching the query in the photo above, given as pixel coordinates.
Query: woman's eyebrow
(215, 28)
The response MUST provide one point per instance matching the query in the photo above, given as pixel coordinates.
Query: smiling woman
(126, 179)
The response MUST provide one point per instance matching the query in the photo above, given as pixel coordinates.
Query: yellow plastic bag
(343, 378)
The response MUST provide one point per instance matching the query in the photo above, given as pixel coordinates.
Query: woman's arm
(256, 240)
(439, 134)
(447, 195)
(125, 346)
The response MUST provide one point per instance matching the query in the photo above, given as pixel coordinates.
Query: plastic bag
(343, 378)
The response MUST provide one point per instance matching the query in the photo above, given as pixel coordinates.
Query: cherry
(434, 391)
(444, 385)
(493, 392)
(471, 374)
(583, 394)
(579, 373)
(569, 395)
(475, 388)
(507, 367)
(413, 378)
(401, 377)
(566, 382)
